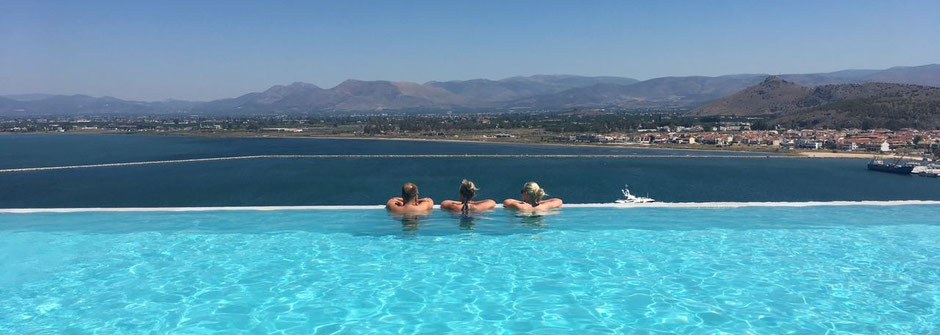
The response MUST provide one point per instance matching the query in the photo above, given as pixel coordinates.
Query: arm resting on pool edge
(451, 205)
(482, 205)
(515, 204)
(426, 203)
(394, 203)
(550, 203)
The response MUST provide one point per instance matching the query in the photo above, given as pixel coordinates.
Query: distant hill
(694, 91)
(838, 77)
(487, 91)
(835, 106)
(28, 97)
(296, 97)
(351, 95)
(8, 104)
(659, 92)
(926, 75)
(538, 92)
(771, 96)
(869, 105)
(87, 105)
(358, 95)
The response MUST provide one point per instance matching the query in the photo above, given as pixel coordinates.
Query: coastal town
(665, 130)
(852, 140)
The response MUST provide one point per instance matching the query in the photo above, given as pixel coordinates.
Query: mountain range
(539, 92)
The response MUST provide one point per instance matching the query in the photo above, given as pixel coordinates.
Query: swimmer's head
(409, 192)
(468, 190)
(532, 193)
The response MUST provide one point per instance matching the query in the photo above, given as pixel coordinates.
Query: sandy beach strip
(830, 154)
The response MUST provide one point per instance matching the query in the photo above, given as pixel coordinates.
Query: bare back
(473, 206)
(398, 205)
(522, 205)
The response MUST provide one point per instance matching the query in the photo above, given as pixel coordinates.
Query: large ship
(890, 167)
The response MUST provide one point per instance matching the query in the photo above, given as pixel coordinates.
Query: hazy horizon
(206, 51)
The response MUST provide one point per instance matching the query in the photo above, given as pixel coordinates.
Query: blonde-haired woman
(468, 190)
(532, 196)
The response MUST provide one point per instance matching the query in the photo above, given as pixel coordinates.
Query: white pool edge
(374, 207)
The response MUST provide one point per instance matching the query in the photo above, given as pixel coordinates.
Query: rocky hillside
(871, 105)
(835, 106)
(772, 96)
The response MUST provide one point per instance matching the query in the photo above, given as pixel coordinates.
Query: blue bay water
(28, 150)
(848, 269)
(355, 181)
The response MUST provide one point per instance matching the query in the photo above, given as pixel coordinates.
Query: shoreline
(743, 150)
(829, 154)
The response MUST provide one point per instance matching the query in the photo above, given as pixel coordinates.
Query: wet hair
(533, 192)
(409, 192)
(467, 191)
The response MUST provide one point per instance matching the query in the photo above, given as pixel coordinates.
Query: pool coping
(378, 207)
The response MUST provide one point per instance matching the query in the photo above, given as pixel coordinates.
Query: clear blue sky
(203, 50)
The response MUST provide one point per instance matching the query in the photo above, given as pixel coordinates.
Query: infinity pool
(852, 269)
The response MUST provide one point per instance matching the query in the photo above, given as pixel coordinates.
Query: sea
(667, 176)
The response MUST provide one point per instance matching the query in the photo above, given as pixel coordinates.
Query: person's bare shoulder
(552, 203)
(450, 207)
(483, 205)
(516, 204)
(426, 203)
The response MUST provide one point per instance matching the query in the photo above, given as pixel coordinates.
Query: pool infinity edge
(376, 207)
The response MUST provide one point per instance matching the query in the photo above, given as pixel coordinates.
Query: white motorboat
(629, 198)
(927, 170)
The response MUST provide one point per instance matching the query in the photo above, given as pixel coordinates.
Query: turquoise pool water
(851, 269)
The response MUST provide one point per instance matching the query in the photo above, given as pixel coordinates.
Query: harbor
(927, 167)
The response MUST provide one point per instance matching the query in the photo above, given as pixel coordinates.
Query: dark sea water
(349, 181)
